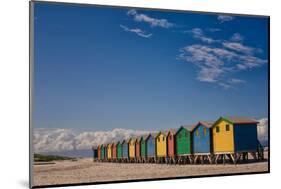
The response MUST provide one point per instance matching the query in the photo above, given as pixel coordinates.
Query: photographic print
(121, 94)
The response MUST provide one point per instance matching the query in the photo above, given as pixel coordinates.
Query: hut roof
(114, 142)
(132, 139)
(109, 144)
(237, 120)
(189, 127)
(94, 147)
(154, 134)
(163, 132)
(138, 138)
(173, 131)
(144, 137)
(207, 124)
(241, 120)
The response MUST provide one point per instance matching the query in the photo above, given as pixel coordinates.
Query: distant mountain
(67, 142)
(48, 158)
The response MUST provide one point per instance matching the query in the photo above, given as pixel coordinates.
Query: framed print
(123, 94)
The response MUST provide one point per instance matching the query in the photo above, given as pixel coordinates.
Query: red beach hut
(113, 149)
(137, 147)
(171, 145)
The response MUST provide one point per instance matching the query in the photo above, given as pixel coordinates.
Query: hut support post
(190, 159)
(233, 157)
(254, 155)
(223, 158)
(210, 159)
(217, 156)
(195, 159)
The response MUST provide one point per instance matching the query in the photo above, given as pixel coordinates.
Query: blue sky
(100, 68)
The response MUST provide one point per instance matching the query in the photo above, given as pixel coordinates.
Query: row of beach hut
(230, 139)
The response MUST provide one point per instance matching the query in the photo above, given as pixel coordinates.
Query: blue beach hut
(202, 138)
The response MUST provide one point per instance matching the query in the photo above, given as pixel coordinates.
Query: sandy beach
(85, 170)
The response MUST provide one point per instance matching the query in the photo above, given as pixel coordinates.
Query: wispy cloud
(153, 22)
(214, 29)
(229, 84)
(137, 31)
(217, 59)
(237, 37)
(225, 18)
(215, 64)
(234, 80)
(199, 34)
(239, 47)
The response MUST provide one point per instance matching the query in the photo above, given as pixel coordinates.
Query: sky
(100, 68)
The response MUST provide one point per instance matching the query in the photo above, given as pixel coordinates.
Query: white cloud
(209, 74)
(137, 31)
(236, 81)
(132, 12)
(199, 34)
(225, 18)
(219, 59)
(225, 85)
(239, 47)
(229, 84)
(153, 22)
(210, 61)
(213, 29)
(237, 37)
(263, 130)
(56, 140)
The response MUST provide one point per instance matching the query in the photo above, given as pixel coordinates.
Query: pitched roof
(124, 141)
(207, 124)
(138, 138)
(145, 136)
(94, 147)
(241, 120)
(189, 127)
(110, 144)
(154, 134)
(119, 142)
(173, 131)
(163, 132)
(104, 145)
(132, 139)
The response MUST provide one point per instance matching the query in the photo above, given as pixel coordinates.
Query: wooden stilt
(232, 156)
(210, 159)
(195, 159)
(216, 158)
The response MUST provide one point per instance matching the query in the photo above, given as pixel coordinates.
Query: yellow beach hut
(233, 135)
(109, 152)
(132, 149)
(161, 146)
